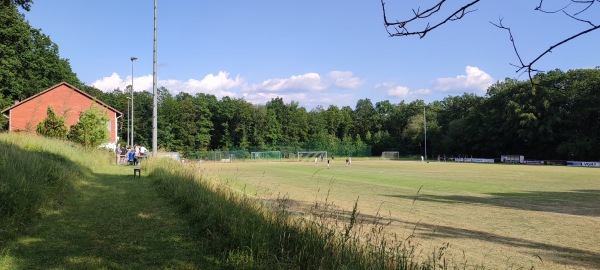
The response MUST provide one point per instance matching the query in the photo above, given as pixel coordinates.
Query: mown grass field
(490, 215)
(66, 207)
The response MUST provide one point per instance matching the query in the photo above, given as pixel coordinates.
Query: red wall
(65, 101)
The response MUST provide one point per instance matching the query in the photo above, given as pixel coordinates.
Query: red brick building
(66, 100)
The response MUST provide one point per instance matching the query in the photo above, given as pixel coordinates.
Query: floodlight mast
(132, 59)
(425, 127)
(128, 116)
(154, 90)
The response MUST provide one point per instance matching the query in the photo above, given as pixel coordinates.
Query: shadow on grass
(575, 202)
(559, 254)
(115, 222)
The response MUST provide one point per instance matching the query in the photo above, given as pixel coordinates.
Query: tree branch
(401, 29)
(529, 66)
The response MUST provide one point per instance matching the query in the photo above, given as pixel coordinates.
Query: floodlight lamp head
(133, 58)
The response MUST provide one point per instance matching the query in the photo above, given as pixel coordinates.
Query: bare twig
(522, 65)
(529, 66)
(539, 8)
(401, 27)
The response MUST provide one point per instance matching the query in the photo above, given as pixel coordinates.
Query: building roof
(70, 86)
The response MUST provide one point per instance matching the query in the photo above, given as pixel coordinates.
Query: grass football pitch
(491, 215)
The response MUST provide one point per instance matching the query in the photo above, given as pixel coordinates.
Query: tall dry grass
(247, 233)
(38, 174)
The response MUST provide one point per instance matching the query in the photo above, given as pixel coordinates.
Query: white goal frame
(266, 155)
(390, 155)
(311, 155)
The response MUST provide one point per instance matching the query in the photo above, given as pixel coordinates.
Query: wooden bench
(138, 171)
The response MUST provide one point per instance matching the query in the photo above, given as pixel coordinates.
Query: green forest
(555, 116)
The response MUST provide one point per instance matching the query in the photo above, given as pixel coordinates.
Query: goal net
(267, 155)
(390, 155)
(312, 155)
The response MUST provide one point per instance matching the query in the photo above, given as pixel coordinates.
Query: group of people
(348, 160)
(126, 154)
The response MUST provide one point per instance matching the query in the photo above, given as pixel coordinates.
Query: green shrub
(91, 129)
(53, 126)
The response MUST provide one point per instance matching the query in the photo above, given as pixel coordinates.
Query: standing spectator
(118, 153)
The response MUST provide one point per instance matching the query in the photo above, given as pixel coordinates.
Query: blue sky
(315, 52)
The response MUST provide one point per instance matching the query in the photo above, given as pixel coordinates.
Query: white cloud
(344, 80)
(474, 79)
(110, 83)
(398, 91)
(310, 82)
(218, 85)
(402, 92)
(114, 81)
(307, 82)
(309, 89)
(141, 83)
(212, 83)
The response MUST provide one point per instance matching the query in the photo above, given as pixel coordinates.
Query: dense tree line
(553, 116)
(29, 60)
(557, 117)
